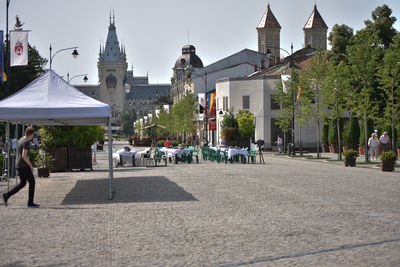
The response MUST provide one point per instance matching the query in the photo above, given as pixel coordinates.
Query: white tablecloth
(127, 156)
(234, 151)
(175, 151)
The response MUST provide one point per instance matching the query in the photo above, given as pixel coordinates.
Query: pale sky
(154, 31)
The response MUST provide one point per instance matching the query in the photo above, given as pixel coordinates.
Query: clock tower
(112, 68)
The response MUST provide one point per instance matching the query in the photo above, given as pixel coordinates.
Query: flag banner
(141, 121)
(1, 57)
(299, 93)
(157, 111)
(145, 120)
(18, 48)
(285, 80)
(211, 105)
(150, 116)
(166, 107)
(212, 126)
(202, 100)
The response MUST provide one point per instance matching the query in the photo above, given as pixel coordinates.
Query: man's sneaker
(33, 205)
(5, 199)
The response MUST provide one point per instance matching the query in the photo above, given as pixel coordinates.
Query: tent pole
(110, 160)
(8, 154)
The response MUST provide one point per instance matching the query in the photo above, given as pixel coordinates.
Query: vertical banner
(211, 105)
(141, 122)
(150, 116)
(18, 48)
(157, 111)
(202, 100)
(166, 107)
(1, 57)
(145, 120)
(285, 79)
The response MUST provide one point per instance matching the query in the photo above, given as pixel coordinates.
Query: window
(246, 102)
(225, 103)
(274, 105)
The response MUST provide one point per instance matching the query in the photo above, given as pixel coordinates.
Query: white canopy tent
(50, 100)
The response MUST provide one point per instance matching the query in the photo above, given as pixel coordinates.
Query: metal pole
(51, 59)
(205, 113)
(8, 154)
(294, 95)
(110, 161)
(7, 51)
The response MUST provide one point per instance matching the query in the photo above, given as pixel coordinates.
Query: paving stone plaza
(288, 212)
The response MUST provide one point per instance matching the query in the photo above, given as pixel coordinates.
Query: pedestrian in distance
(373, 143)
(25, 169)
(279, 142)
(384, 140)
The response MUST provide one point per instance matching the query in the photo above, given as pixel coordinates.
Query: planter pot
(398, 152)
(325, 148)
(361, 150)
(333, 149)
(351, 161)
(60, 156)
(388, 165)
(79, 158)
(330, 149)
(43, 172)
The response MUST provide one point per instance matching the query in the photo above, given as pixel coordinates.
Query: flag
(141, 122)
(299, 93)
(211, 102)
(150, 118)
(145, 120)
(285, 79)
(166, 107)
(202, 100)
(157, 111)
(18, 48)
(1, 57)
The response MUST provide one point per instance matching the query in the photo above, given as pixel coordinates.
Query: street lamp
(85, 79)
(294, 95)
(74, 53)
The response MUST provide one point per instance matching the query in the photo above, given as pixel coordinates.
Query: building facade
(268, 31)
(315, 31)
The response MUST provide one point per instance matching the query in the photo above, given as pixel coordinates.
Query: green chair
(252, 156)
(195, 153)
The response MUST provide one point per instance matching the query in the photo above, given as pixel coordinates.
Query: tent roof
(50, 100)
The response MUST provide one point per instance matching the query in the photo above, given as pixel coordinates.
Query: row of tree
(360, 75)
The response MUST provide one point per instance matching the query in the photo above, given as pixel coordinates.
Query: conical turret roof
(112, 51)
(315, 21)
(268, 20)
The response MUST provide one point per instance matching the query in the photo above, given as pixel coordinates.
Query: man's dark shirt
(23, 143)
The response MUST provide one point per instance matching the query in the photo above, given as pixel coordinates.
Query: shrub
(398, 137)
(350, 153)
(353, 132)
(230, 133)
(246, 124)
(44, 160)
(345, 136)
(389, 155)
(175, 142)
(333, 132)
(33, 154)
(161, 143)
(70, 136)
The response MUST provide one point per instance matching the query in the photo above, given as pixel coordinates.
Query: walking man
(25, 169)
(385, 142)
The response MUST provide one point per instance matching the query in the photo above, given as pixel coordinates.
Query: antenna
(188, 35)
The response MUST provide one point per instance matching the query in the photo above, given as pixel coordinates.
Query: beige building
(315, 31)
(268, 31)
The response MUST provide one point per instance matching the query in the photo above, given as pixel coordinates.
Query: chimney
(255, 68)
(262, 64)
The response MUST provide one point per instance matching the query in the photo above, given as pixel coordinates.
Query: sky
(154, 31)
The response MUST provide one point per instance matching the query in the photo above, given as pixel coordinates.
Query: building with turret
(315, 31)
(117, 85)
(268, 31)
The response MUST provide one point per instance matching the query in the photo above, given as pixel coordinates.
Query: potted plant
(44, 162)
(353, 133)
(388, 160)
(350, 157)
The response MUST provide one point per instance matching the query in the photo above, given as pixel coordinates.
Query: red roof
(315, 21)
(268, 20)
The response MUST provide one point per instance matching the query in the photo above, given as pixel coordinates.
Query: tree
(353, 134)
(339, 38)
(126, 121)
(183, 116)
(246, 124)
(389, 75)
(363, 58)
(382, 25)
(229, 120)
(314, 81)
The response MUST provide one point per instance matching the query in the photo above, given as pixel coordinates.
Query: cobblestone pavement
(286, 212)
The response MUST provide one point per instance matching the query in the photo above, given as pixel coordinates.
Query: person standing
(385, 142)
(25, 169)
(279, 142)
(373, 146)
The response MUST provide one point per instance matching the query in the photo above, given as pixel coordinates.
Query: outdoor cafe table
(176, 153)
(121, 156)
(232, 151)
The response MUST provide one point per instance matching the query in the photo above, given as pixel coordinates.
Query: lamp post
(292, 147)
(85, 79)
(74, 53)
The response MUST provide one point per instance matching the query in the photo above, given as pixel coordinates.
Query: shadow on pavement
(128, 190)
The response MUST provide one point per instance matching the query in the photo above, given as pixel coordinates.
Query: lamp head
(75, 53)
(85, 79)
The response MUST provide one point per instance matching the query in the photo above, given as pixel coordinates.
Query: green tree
(353, 134)
(339, 38)
(382, 24)
(364, 58)
(228, 119)
(126, 121)
(183, 116)
(389, 75)
(246, 124)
